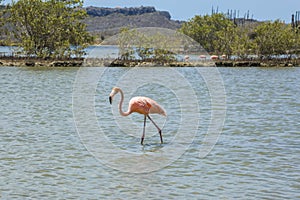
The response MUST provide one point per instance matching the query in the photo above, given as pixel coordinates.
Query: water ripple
(256, 157)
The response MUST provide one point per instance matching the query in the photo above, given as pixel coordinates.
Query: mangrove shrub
(138, 45)
(219, 35)
(214, 32)
(275, 38)
(49, 28)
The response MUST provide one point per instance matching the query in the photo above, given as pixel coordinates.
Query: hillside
(105, 22)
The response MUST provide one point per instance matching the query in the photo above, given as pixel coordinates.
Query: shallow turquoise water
(42, 156)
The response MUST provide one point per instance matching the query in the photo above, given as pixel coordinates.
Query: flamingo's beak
(110, 99)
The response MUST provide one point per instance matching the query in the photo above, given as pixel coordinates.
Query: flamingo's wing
(143, 103)
(140, 105)
(154, 107)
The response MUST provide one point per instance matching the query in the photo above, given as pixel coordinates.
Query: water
(256, 157)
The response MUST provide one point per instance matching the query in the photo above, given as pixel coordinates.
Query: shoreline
(11, 61)
(259, 63)
(96, 62)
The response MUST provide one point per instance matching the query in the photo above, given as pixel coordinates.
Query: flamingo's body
(142, 105)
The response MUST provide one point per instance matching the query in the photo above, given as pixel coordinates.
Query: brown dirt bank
(259, 63)
(39, 62)
(78, 62)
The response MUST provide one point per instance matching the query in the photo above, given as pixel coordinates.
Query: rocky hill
(102, 11)
(105, 22)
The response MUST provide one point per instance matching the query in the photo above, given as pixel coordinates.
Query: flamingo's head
(114, 91)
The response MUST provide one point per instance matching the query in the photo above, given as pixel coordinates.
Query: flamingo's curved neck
(120, 105)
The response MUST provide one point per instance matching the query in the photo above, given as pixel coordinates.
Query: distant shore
(94, 62)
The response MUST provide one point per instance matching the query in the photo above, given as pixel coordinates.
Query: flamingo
(214, 57)
(186, 58)
(142, 105)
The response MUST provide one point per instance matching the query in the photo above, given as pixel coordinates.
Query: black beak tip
(110, 100)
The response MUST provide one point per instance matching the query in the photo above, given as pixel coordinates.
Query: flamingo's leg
(143, 136)
(159, 130)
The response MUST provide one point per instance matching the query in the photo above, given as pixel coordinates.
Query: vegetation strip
(51, 29)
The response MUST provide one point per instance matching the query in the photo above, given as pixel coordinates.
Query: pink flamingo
(142, 105)
(214, 57)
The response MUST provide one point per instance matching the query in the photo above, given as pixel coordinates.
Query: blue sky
(186, 9)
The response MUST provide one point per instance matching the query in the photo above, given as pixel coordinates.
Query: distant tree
(291, 41)
(2, 20)
(134, 44)
(49, 28)
(296, 40)
(214, 32)
(144, 46)
(125, 43)
(243, 46)
(274, 38)
(226, 38)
